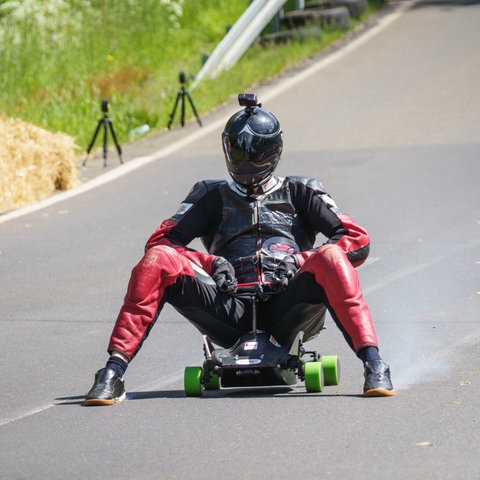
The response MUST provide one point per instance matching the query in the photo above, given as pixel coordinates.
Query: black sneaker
(377, 380)
(107, 389)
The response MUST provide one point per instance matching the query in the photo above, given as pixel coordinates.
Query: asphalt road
(391, 126)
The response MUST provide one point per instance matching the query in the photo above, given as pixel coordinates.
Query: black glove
(284, 271)
(224, 275)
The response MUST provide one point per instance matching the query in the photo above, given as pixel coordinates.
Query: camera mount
(249, 101)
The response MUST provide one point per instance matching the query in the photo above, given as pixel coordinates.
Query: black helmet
(252, 142)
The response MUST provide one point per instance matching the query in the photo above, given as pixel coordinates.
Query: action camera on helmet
(248, 100)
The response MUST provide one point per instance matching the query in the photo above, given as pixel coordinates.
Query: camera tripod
(107, 124)
(182, 93)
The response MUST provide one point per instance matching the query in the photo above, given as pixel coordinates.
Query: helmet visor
(250, 159)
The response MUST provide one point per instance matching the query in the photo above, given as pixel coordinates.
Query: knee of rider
(329, 255)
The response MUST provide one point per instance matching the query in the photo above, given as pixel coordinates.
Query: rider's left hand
(284, 271)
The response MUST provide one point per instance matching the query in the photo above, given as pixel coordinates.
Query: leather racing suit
(254, 233)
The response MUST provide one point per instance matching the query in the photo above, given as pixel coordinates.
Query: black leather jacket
(254, 232)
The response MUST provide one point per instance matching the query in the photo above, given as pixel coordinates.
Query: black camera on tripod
(182, 93)
(107, 125)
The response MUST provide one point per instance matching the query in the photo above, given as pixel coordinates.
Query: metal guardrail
(240, 37)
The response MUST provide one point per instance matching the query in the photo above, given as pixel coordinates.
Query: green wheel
(313, 377)
(331, 369)
(213, 382)
(192, 381)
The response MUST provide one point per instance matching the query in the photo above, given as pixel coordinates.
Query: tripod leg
(119, 148)
(105, 141)
(90, 146)
(172, 115)
(183, 107)
(193, 108)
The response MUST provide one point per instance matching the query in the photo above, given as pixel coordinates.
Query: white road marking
(27, 413)
(147, 386)
(410, 270)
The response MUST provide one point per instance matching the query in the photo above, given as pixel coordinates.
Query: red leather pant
(326, 280)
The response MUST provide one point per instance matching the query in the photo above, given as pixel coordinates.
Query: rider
(258, 227)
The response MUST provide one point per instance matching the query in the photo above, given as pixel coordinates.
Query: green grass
(60, 58)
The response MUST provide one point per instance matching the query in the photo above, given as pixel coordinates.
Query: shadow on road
(217, 394)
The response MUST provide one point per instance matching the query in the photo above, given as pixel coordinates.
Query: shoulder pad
(318, 190)
(312, 183)
(201, 188)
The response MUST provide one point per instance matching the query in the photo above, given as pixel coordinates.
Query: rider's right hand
(223, 274)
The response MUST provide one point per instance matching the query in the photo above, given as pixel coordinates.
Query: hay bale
(34, 163)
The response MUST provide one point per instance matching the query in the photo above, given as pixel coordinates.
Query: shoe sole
(98, 402)
(379, 392)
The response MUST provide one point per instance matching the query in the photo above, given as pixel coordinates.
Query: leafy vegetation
(60, 58)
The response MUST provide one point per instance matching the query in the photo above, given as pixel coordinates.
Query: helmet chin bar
(252, 185)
